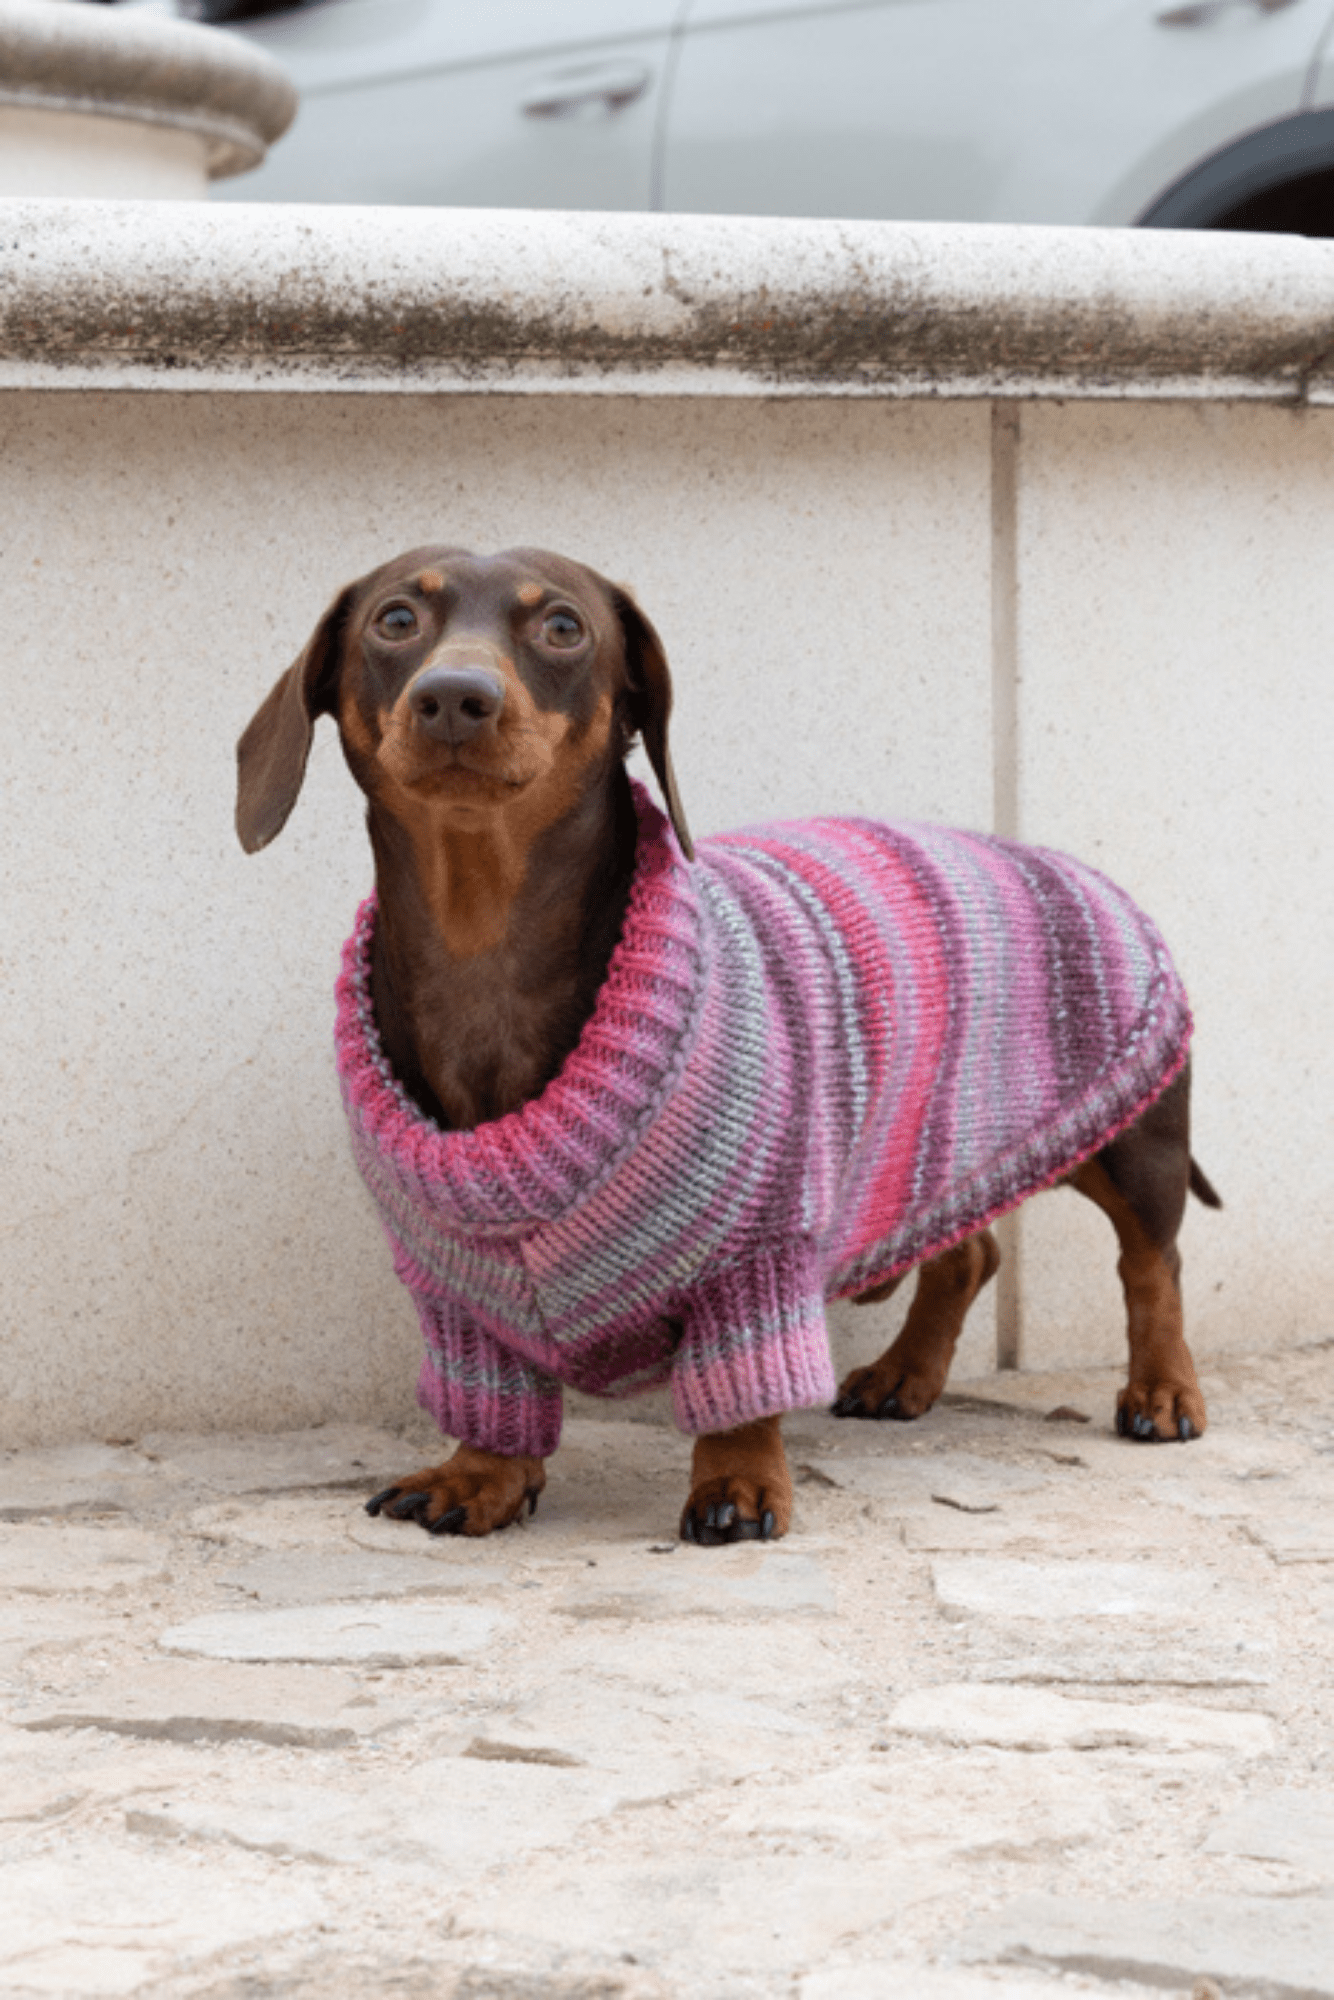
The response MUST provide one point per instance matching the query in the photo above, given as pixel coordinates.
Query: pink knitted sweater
(821, 1053)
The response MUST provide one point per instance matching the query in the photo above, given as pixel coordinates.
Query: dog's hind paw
(1161, 1412)
(884, 1395)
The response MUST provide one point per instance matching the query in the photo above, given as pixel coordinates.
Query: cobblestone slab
(1291, 1825)
(906, 1981)
(92, 1919)
(61, 1560)
(1026, 1719)
(73, 1479)
(746, 1583)
(305, 1576)
(1070, 1590)
(1251, 1947)
(452, 1818)
(740, 1919)
(371, 1634)
(349, 1456)
(188, 1701)
(1298, 1538)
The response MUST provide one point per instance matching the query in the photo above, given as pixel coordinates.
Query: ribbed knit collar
(535, 1163)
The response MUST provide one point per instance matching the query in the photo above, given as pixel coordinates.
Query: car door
(982, 110)
(516, 103)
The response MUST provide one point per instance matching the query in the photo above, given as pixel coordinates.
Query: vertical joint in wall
(1005, 775)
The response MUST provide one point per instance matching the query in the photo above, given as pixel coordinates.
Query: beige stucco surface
(1176, 711)
(184, 1242)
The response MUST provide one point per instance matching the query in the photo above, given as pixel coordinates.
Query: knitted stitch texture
(823, 1052)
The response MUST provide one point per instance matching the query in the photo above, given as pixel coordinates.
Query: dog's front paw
(1165, 1410)
(472, 1493)
(734, 1510)
(741, 1489)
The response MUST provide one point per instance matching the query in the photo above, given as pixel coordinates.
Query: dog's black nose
(454, 704)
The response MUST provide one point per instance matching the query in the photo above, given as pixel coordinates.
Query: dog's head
(463, 685)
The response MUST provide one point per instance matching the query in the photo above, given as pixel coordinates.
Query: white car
(1171, 113)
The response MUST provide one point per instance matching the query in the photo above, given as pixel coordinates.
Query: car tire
(1279, 179)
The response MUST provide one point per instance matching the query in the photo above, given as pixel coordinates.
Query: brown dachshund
(486, 706)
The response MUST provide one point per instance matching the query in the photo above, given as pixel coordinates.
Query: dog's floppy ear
(271, 755)
(650, 705)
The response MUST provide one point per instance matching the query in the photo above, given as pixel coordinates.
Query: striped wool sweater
(822, 1052)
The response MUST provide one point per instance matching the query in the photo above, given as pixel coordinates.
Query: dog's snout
(454, 704)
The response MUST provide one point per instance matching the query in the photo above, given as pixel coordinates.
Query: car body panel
(412, 101)
(960, 110)
(1034, 111)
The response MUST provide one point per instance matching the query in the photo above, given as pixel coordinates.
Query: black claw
(1186, 1430)
(890, 1410)
(1146, 1430)
(689, 1529)
(846, 1405)
(532, 1503)
(448, 1524)
(379, 1500)
(766, 1524)
(1123, 1422)
(721, 1515)
(410, 1507)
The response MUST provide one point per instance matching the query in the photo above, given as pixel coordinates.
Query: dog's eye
(398, 622)
(563, 629)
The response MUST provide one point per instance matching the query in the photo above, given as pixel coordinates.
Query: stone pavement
(1018, 1710)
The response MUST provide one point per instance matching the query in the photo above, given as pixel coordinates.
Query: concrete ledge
(375, 299)
(147, 69)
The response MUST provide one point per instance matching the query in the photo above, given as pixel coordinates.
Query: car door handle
(1195, 13)
(609, 85)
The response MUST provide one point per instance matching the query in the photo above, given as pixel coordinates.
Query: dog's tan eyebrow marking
(530, 594)
(430, 580)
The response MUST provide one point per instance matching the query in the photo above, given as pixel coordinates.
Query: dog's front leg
(472, 1493)
(740, 1487)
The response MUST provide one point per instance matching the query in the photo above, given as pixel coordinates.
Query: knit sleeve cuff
(481, 1393)
(755, 1342)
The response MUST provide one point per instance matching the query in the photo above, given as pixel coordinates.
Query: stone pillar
(126, 105)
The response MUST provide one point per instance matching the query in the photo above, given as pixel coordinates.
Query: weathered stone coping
(145, 67)
(133, 296)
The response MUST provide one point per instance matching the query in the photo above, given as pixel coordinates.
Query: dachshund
(486, 706)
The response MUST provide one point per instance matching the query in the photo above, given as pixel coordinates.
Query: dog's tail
(1203, 1188)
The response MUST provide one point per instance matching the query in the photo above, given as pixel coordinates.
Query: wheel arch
(1269, 158)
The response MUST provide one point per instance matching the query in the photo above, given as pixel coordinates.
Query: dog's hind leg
(911, 1373)
(1141, 1181)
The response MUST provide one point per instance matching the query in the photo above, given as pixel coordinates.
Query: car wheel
(1278, 179)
